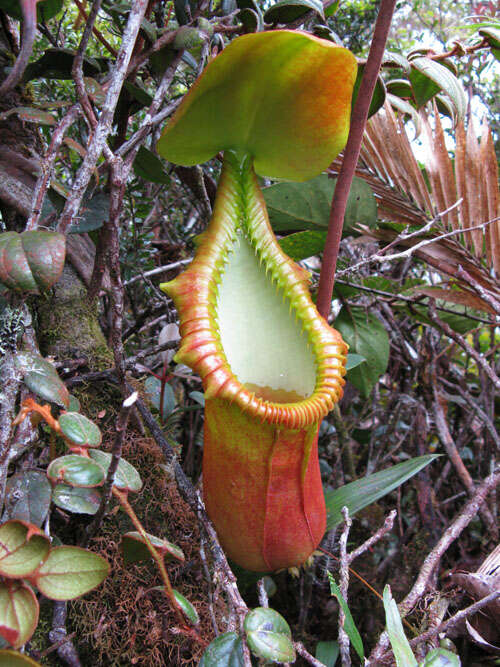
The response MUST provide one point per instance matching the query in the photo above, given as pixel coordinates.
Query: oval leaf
(134, 548)
(70, 572)
(287, 11)
(18, 613)
(187, 608)
(366, 335)
(269, 635)
(41, 378)
(225, 651)
(428, 77)
(22, 548)
(28, 497)
(76, 470)
(79, 430)
(126, 478)
(441, 657)
(76, 500)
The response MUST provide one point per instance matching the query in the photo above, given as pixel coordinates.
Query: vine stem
(123, 500)
(351, 154)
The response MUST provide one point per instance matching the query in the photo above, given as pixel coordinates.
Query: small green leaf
(303, 244)
(349, 625)
(41, 378)
(74, 404)
(378, 97)
(134, 548)
(225, 651)
(187, 608)
(492, 36)
(354, 360)
(79, 430)
(126, 477)
(441, 657)
(76, 470)
(93, 214)
(22, 548)
(152, 387)
(148, 166)
(399, 88)
(299, 206)
(428, 77)
(27, 497)
(363, 492)
(366, 335)
(392, 59)
(327, 653)
(269, 635)
(400, 645)
(198, 397)
(30, 115)
(70, 572)
(15, 659)
(76, 500)
(18, 614)
(286, 11)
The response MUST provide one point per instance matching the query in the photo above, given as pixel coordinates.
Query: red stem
(351, 154)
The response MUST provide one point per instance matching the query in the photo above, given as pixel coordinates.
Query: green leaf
(22, 548)
(224, 651)
(28, 497)
(152, 387)
(57, 64)
(366, 335)
(378, 97)
(441, 657)
(198, 397)
(30, 115)
(76, 470)
(299, 206)
(428, 77)
(286, 11)
(354, 360)
(400, 645)
(399, 88)
(139, 93)
(134, 548)
(492, 36)
(70, 572)
(126, 477)
(363, 492)
(458, 321)
(392, 59)
(187, 608)
(349, 625)
(76, 500)
(79, 430)
(15, 659)
(148, 166)
(406, 108)
(74, 404)
(303, 244)
(18, 614)
(327, 653)
(45, 10)
(93, 214)
(41, 378)
(268, 635)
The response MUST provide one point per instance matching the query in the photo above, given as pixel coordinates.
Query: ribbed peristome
(240, 209)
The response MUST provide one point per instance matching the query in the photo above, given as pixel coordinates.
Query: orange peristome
(283, 97)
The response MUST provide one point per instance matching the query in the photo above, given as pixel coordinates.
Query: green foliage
(363, 492)
(349, 625)
(268, 635)
(226, 650)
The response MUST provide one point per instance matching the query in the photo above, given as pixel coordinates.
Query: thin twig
(433, 558)
(116, 453)
(77, 69)
(104, 126)
(66, 650)
(479, 289)
(28, 39)
(47, 166)
(460, 340)
(301, 650)
(262, 593)
(381, 532)
(344, 643)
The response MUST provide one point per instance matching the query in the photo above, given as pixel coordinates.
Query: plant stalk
(351, 154)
